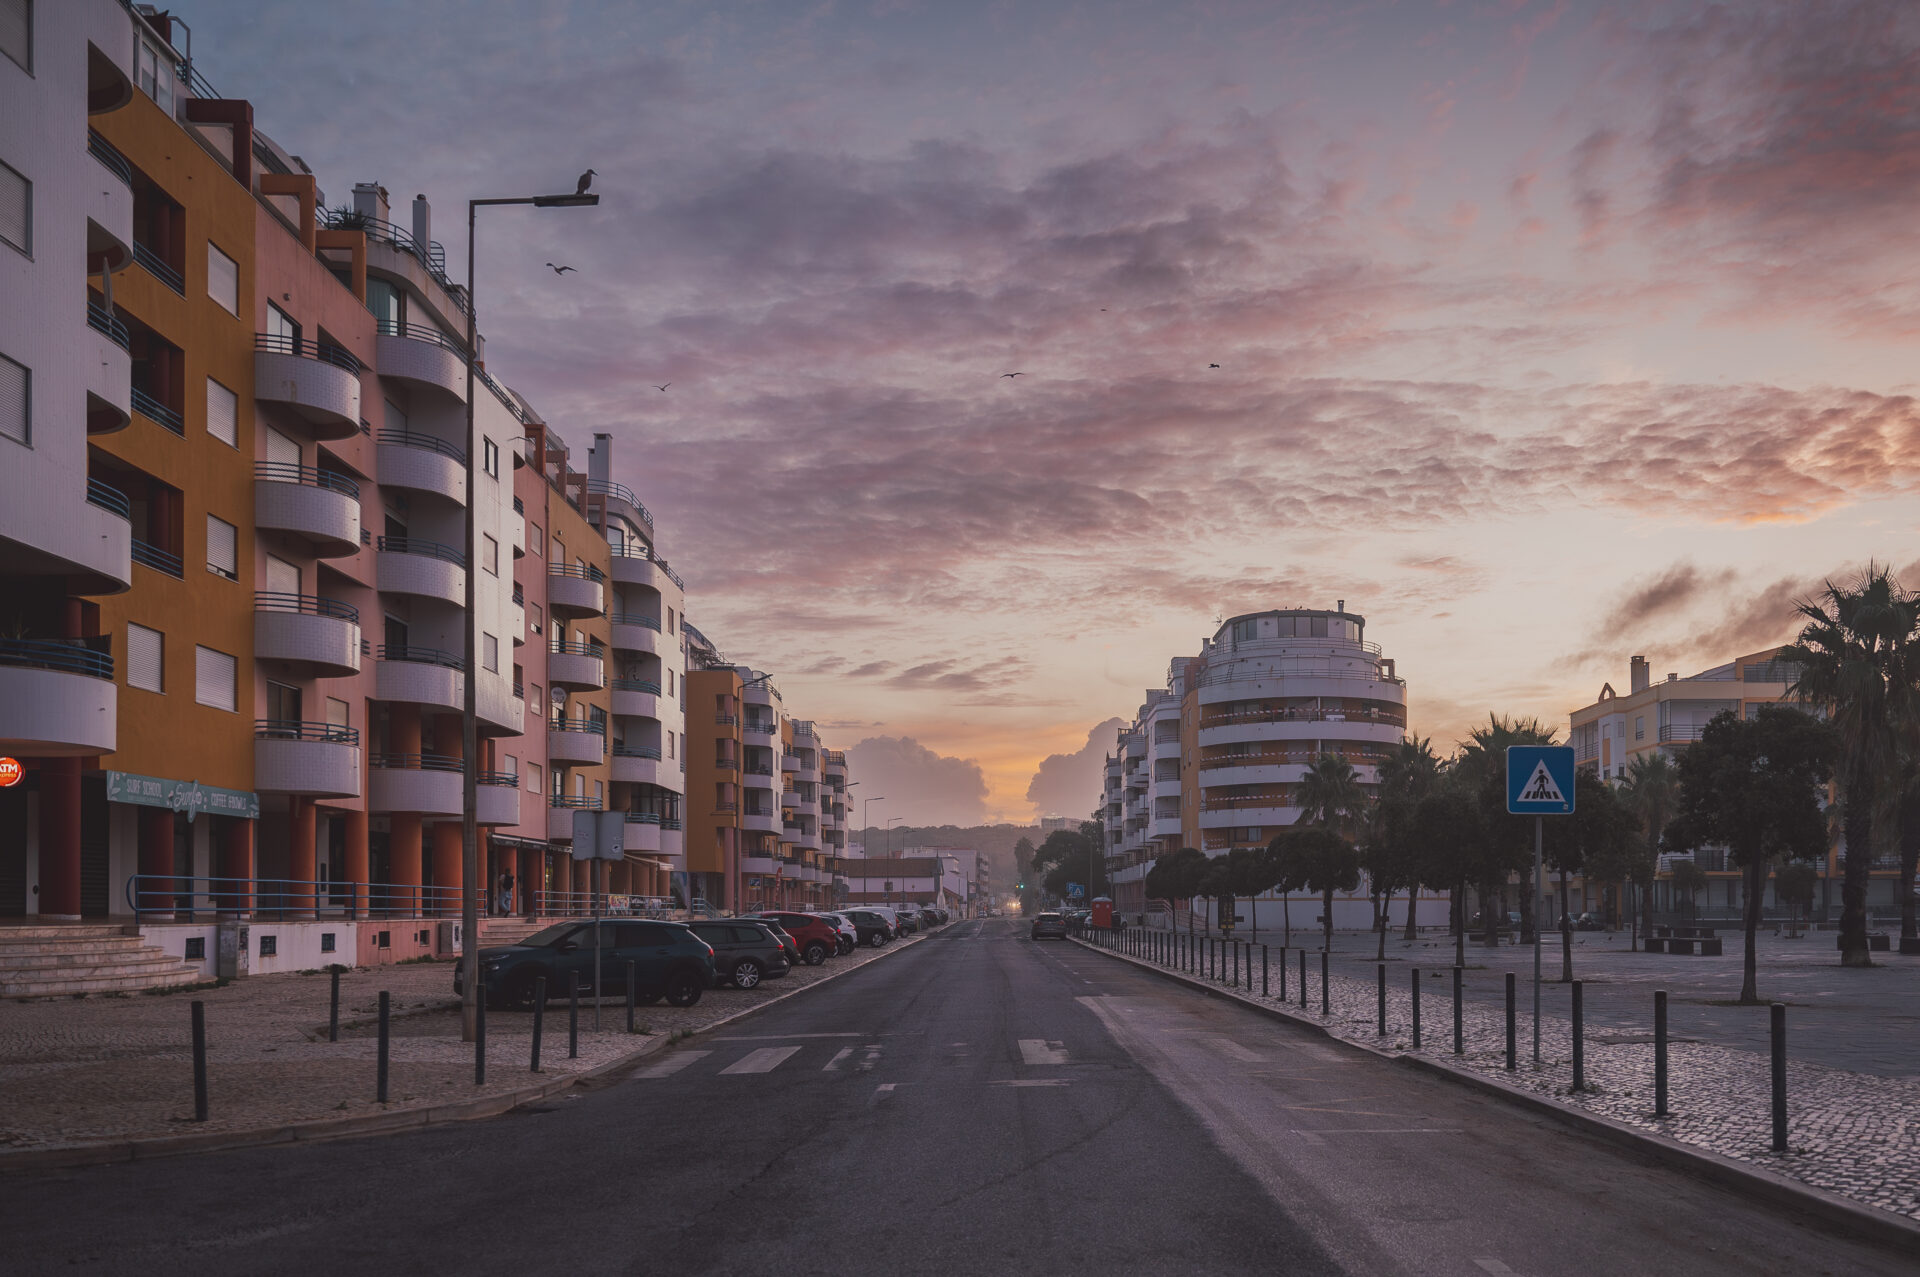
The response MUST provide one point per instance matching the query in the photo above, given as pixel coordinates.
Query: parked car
(849, 934)
(871, 927)
(1049, 926)
(669, 960)
(908, 922)
(1590, 921)
(818, 939)
(745, 952)
(787, 942)
(929, 919)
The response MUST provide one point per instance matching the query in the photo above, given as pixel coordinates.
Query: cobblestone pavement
(1851, 1133)
(78, 1071)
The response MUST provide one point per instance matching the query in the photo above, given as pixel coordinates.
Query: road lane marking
(1030, 1081)
(833, 1065)
(1493, 1266)
(673, 1064)
(1040, 1051)
(786, 1037)
(1233, 1050)
(1382, 1130)
(764, 1060)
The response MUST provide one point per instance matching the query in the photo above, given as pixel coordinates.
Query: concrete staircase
(57, 960)
(504, 931)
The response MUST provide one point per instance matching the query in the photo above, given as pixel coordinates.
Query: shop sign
(188, 796)
(11, 773)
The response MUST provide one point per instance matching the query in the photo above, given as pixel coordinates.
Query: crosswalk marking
(1024, 1082)
(833, 1065)
(1040, 1051)
(673, 1064)
(1234, 1051)
(764, 1060)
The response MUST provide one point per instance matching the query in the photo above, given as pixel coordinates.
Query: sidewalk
(110, 1069)
(1853, 1134)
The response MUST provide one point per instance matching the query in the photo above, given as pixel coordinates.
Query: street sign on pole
(1539, 784)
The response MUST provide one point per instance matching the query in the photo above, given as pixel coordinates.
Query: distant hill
(995, 840)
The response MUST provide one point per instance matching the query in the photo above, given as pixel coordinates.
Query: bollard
(1459, 1042)
(1283, 973)
(199, 1061)
(1324, 1003)
(1416, 1009)
(1236, 966)
(630, 996)
(1660, 1053)
(1579, 1041)
(333, 1012)
(1779, 1035)
(1382, 1031)
(1263, 970)
(380, 1067)
(480, 1035)
(573, 1015)
(1303, 979)
(539, 1020)
(1510, 1060)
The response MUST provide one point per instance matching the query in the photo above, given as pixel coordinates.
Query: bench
(1877, 942)
(1704, 946)
(1655, 944)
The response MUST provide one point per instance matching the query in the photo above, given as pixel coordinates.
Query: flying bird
(1213, 365)
(558, 270)
(1013, 374)
(586, 180)
(663, 389)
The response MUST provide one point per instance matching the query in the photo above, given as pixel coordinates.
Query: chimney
(1640, 675)
(1341, 606)
(600, 458)
(422, 223)
(370, 200)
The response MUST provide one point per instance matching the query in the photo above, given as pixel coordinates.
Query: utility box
(231, 959)
(451, 934)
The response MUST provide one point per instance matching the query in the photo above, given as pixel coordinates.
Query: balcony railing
(155, 411)
(584, 802)
(415, 439)
(584, 572)
(306, 348)
(636, 685)
(636, 751)
(101, 149)
(501, 780)
(642, 552)
(1682, 732)
(417, 762)
(762, 728)
(643, 818)
(636, 618)
(310, 476)
(295, 729)
(415, 545)
(306, 604)
(421, 656)
(430, 255)
(519, 506)
(607, 488)
(154, 557)
(1305, 714)
(519, 596)
(62, 656)
(561, 723)
(724, 720)
(108, 498)
(559, 647)
(100, 319)
(421, 332)
(156, 266)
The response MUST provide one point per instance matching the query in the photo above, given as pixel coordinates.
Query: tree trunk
(1286, 920)
(1909, 864)
(1646, 909)
(1413, 904)
(1755, 877)
(1253, 913)
(1492, 915)
(1460, 924)
(1380, 924)
(1566, 934)
(1858, 813)
(1326, 919)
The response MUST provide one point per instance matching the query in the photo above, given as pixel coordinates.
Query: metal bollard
(1779, 1036)
(380, 1068)
(1263, 970)
(630, 996)
(1579, 1040)
(1459, 1041)
(573, 1015)
(539, 1020)
(333, 1012)
(1303, 979)
(1283, 973)
(199, 1061)
(1324, 1003)
(1236, 965)
(1660, 1053)
(1416, 1009)
(1383, 1000)
(480, 1035)
(1510, 1039)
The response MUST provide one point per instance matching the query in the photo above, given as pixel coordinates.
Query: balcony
(642, 832)
(762, 727)
(765, 822)
(423, 463)
(635, 632)
(576, 666)
(57, 698)
(422, 355)
(109, 208)
(426, 569)
(320, 383)
(636, 565)
(316, 759)
(319, 636)
(576, 740)
(762, 864)
(636, 698)
(319, 507)
(641, 765)
(497, 801)
(501, 706)
(789, 762)
(619, 499)
(420, 784)
(107, 370)
(573, 590)
(419, 676)
(560, 809)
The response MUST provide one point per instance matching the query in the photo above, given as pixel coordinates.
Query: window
(1244, 630)
(336, 712)
(669, 620)
(533, 778)
(513, 765)
(213, 678)
(146, 658)
(223, 279)
(537, 699)
(559, 549)
(396, 416)
(490, 554)
(536, 541)
(535, 616)
(669, 681)
(16, 32)
(153, 70)
(281, 325)
(222, 548)
(1640, 727)
(599, 793)
(490, 653)
(669, 744)
(386, 303)
(223, 414)
(16, 399)
(490, 453)
(16, 208)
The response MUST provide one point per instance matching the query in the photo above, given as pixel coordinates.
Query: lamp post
(890, 821)
(469, 714)
(866, 821)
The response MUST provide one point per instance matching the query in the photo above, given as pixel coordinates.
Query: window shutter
(222, 548)
(15, 382)
(16, 31)
(145, 658)
(16, 208)
(214, 678)
(223, 414)
(223, 279)
(281, 451)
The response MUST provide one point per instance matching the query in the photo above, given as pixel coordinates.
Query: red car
(818, 939)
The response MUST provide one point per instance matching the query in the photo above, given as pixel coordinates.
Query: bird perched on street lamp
(586, 180)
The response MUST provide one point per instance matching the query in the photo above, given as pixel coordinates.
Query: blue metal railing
(108, 498)
(100, 319)
(415, 545)
(306, 604)
(158, 267)
(561, 648)
(608, 488)
(420, 656)
(414, 439)
(310, 476)
(152, 556)
(101, 149)
(586, 572)
(276, 899)
(296, 729)
(501, 780)
(636, 685)
(643, 818)
(636, 751)
(636, 618)
(305, 348)
(63, 656)
(642, 552)
(416, 762)
(561, 723)
(585, 802)
(155, 411)
(421, 332)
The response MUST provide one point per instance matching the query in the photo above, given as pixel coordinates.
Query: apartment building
(251, 450)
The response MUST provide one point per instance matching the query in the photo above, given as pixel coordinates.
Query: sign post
(598, 836)
(1539, 784)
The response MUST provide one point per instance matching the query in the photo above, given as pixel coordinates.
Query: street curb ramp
(1830, 1209)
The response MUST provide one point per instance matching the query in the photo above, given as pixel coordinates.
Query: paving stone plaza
(1853, 1043)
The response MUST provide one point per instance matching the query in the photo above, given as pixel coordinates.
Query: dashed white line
(833, 1065)
(764, 1060)
(1039, 1051)
(1493, 1266)
(673, 1064)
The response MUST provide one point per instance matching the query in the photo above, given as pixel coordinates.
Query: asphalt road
(979, 1103)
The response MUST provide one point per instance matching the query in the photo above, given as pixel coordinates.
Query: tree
(1754, 786)
(1593, 837)
(1793, 886)
(1248, 873)
(1330, 795)
(1178, 876)
(1650, 795)
(1483, 761)
(1906, 818)
(1857, 655)
(1451, 840)
(1405, 777)
(1070, 855)
(1687, 879)
(1319, 860)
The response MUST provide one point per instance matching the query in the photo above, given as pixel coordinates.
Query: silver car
(849, 934)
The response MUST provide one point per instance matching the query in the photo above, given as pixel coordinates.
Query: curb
(1830, 1209)
(389, 1122)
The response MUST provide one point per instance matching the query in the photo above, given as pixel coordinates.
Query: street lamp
(469, 712)
(866, 821)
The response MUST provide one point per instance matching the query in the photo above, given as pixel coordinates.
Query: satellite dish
(558, 695)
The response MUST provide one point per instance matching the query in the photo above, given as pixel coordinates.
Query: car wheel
(746, 974)
(515, 995)
(876, 939)
(683, 989)
(816, 953)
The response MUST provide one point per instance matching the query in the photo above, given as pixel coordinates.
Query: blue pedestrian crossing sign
(1540, 780)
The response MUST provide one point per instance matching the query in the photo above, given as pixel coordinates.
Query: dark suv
(1049, 926)
(817, 937)
(874, 929)
(669, 960)
(744, 951)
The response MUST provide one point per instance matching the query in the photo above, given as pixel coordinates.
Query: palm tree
(1330, 796)
(1483, 762)
(1406, 776)
(1859, 655)
(1652, 790)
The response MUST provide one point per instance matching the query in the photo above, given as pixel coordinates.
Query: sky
(1548, 332)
